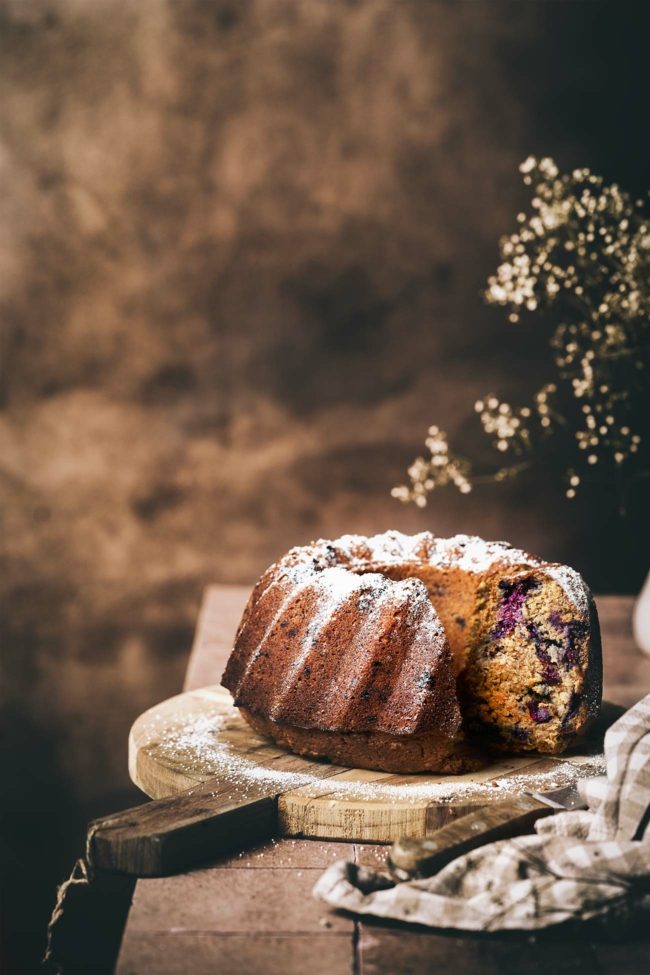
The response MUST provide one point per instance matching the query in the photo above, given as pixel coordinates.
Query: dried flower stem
(583, 255)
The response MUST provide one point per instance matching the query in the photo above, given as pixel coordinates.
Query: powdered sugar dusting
(200, 745)
(331, 589)
(573, 585)
(470, 553)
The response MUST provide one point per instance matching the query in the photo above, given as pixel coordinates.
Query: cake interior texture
(414, 653)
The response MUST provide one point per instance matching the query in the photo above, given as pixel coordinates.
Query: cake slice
(532, 678)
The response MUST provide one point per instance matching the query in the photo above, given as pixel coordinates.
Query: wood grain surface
(252, 913)
(338, 803)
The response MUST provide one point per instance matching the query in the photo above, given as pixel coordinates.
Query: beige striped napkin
(577, 865)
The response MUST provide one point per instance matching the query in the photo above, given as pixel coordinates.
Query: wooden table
(253, 914)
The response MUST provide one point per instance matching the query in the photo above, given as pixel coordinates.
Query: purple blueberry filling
(520, 734)
(538, 713)
(575, 632)
(550, 673)
(512, 601)
(572, 631)
(574, 706)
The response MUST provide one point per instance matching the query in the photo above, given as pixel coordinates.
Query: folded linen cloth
(577, 865)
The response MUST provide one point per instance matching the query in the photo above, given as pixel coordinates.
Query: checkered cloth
(578, 865)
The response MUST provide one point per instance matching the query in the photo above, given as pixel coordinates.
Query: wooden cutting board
(199, 736)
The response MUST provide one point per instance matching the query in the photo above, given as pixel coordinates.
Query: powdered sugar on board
(208, 745)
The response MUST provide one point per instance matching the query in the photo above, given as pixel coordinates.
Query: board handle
(170, 835)
(411, 858)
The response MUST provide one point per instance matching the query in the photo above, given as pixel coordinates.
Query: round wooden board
(199, 736)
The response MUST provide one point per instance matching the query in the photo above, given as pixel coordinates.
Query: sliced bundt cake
(391, 652)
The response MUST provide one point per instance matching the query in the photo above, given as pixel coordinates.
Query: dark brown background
(242, 251)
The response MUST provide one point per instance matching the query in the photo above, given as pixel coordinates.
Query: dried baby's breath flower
(582, 258)
(439, 469)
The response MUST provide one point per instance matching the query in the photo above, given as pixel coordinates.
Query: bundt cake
(407, 653)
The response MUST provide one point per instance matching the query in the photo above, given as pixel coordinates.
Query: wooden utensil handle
(411, 858)
(168, 835)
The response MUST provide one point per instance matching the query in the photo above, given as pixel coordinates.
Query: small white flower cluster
(512, 429)
(502, 423)
(439, 469)
(584, 255)
(603, 434)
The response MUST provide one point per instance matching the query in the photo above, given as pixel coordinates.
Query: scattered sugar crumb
(200, 743)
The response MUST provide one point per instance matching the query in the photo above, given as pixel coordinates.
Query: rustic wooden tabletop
(253, 914)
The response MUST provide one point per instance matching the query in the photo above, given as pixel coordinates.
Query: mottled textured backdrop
(241, 253)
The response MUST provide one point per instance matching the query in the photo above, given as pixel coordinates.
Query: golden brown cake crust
(332, 650)
(425, 752)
